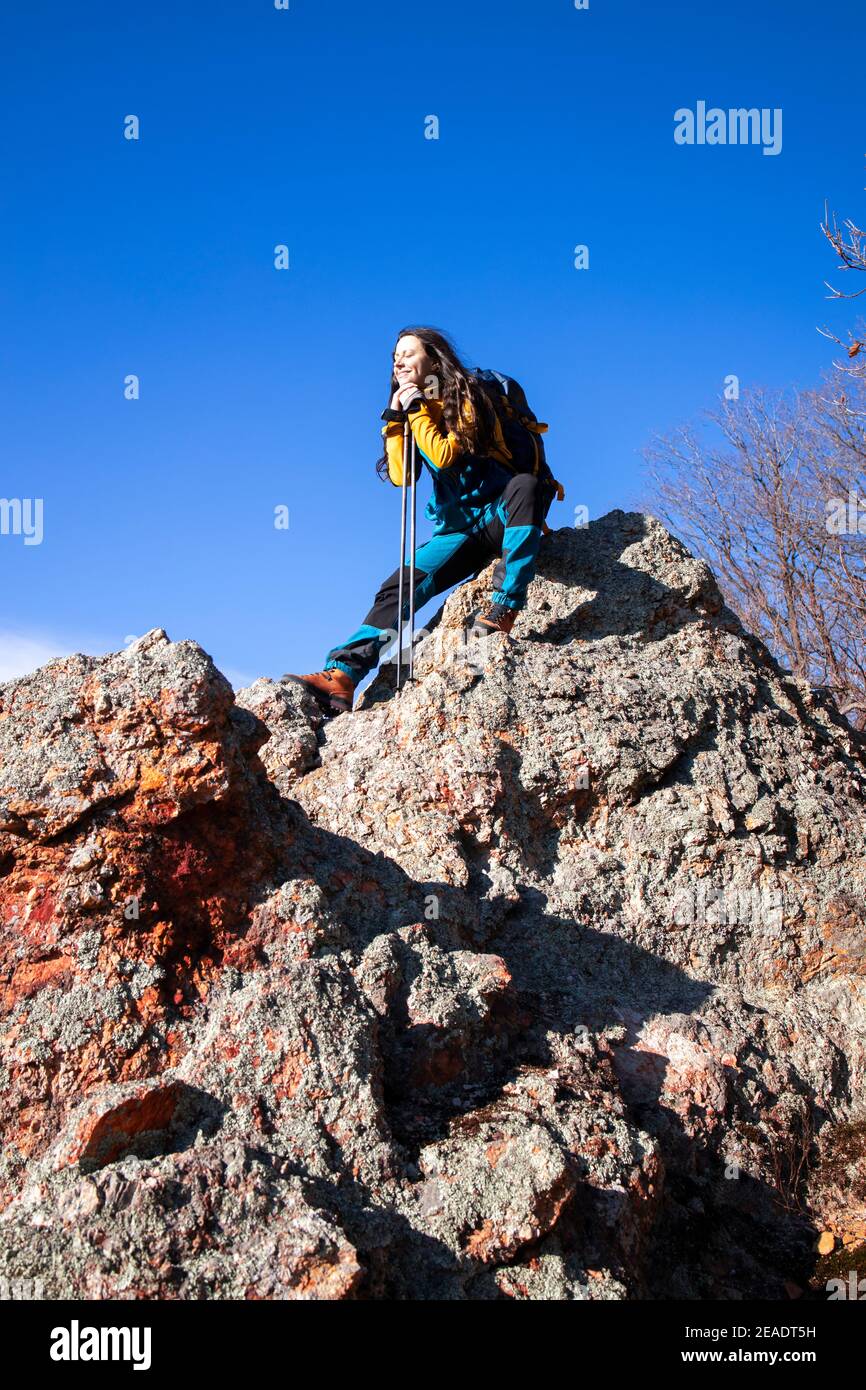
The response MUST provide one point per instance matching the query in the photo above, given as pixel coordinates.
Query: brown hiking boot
(333, 689)
(494, 618)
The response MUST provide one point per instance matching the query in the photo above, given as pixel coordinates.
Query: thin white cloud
(23, 652)
(238, 680)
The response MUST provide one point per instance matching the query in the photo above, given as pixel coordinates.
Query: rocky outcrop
(543, 978)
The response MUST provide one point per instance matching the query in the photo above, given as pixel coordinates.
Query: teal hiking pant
(509, 528)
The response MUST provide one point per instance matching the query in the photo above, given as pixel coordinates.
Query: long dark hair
(455, 384)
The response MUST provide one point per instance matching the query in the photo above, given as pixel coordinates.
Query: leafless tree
(849, 242)
(771, 491)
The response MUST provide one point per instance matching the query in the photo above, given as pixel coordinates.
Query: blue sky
(261, 387)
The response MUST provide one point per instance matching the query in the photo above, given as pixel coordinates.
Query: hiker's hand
(407, 394)
(395, 400)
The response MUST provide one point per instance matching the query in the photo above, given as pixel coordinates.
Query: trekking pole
(403, 499)
(412, 564)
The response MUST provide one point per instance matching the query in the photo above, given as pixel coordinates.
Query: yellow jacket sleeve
(441, 449)
(393, 436)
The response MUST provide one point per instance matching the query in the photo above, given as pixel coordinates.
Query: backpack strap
(500, 385)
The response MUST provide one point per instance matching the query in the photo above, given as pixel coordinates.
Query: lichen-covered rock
(545, 978)
(214, 1221)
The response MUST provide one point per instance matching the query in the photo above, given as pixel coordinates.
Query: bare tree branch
(849, 243)
(774, 498)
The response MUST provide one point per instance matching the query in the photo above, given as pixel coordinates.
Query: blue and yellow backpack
(521, 428)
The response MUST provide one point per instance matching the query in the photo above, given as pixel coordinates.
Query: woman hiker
(480, 506)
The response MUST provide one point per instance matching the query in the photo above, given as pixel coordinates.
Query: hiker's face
(412, 366)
